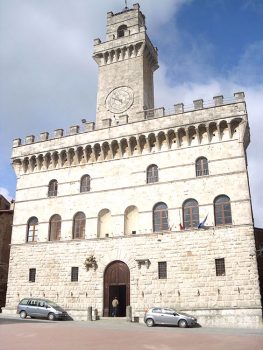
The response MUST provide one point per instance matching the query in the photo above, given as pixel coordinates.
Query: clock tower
(126, 60)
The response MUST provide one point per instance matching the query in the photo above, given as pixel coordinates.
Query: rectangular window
(74, 274)
(220, 267)
(32, 275)
(162, 270)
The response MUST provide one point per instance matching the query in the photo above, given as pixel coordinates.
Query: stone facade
(6, 219)
(119, 203)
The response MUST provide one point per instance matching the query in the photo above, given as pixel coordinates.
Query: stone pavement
(119, 334)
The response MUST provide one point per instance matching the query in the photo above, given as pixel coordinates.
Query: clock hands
(116, 99)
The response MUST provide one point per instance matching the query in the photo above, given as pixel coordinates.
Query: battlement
(180, 111)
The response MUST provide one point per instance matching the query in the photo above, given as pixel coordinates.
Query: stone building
(259, 252)
(112, 208)
(6, 219)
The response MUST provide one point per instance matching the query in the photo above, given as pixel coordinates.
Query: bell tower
(126, 60)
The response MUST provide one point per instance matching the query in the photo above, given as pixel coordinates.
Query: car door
(33, 308)
(157, 315)
(169, 317)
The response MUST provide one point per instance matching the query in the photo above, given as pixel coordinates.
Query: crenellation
(218, 100)
(198, 104)
(43, 136)
(73, 130)
(17, 142)
(58, 133)
(29, 139)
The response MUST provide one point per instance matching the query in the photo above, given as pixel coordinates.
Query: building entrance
(116, 284)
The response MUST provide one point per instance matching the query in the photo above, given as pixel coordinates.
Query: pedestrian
(115, 304)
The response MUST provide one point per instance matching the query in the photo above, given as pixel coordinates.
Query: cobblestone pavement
(120, 335)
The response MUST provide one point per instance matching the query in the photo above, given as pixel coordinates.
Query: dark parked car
(41, 308)
(160, 316)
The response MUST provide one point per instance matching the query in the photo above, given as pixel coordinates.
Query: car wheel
(51, 317)
(23, 314)
(182, 324)
(149, 322)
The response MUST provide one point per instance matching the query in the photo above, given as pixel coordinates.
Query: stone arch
(115, 149)
(121, 30)
(33, 163)
(234, 124)
(224, 135)
(116, 283)
(143, 143)
(172, 139)
(162, 140)
(88, 153)
(203, 133)
(182, 137)
(25, 165)
(192, 135)
(106, 151)
(133, 145)
(131, 220)
(152, 142)
(213, 132)
(104, 223)
(97, 151)
(124, 148)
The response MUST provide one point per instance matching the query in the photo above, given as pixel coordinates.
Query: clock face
(119, 99)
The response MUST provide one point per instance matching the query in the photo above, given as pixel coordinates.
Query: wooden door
(117, 275)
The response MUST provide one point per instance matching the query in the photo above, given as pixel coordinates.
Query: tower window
(79, 224)
(53, 188)
(222, 209)
(32, 228)
(85, 183)
(32, 275)
(201, 167)
(162, 270)
(220, 267)
(54, 227)
(191, 214)
(74, 274)
(160, 217)
(121, 31)
(152, 174)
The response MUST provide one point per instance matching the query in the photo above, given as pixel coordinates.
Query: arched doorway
(116, 284)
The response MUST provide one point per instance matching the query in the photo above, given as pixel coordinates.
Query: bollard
(128, 313)
(89, 313)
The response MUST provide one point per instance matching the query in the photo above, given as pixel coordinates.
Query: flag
(202, 223)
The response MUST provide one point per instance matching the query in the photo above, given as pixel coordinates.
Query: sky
(48, 79)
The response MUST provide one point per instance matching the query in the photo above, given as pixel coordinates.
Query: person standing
(115, 304)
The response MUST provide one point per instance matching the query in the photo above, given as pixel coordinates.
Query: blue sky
(49, 80)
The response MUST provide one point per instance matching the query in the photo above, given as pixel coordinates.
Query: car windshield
(51, 303)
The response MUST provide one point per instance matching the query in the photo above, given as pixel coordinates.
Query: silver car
(160, 316)
(40, 308)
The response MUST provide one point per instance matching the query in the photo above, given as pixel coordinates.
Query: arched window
(190, 214)
(32, 228)
(121, 31)
(53, 188)
(222, 210)
(201, 166)
(54, 227)
(152, 174)
(85, 183)
(79, 223)
(160, 217)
